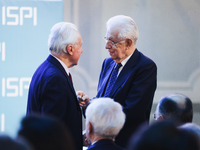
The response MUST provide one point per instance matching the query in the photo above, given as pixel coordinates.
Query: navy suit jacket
(52, 93)
(134, 90)
(104, 144)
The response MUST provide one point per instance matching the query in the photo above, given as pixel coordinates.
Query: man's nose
(108, 45)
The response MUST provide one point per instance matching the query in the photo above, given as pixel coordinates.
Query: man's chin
(112, 57)
(116, 60)
(73, 65)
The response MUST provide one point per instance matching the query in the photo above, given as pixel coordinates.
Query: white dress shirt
(63, 64)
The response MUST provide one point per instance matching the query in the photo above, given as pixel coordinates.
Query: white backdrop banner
(24, 30)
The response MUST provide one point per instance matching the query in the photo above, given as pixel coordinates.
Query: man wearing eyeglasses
(127, 76)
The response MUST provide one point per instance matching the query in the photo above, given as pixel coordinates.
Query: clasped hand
(83, 99)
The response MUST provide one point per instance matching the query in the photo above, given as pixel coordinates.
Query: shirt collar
(63, 64)
(125, 60)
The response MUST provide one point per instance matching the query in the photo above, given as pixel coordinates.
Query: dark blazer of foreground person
(51, 91)
(51, 82)
(104, 144)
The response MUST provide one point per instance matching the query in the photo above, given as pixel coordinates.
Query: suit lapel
(104, 82)
(125, 73)
(60, 67)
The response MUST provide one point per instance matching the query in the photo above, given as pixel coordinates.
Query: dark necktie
(112, 80)
(70, 77)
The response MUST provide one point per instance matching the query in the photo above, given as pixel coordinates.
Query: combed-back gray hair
(106, 117)
(126, 25)
(62, 34)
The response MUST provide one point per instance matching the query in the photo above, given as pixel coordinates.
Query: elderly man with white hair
(51, 90)
(104, 120)
(127, 76)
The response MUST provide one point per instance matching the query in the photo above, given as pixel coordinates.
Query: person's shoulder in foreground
(163, 135)
(45, 133)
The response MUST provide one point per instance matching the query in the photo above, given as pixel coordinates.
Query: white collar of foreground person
(85, 148)
(62, 63)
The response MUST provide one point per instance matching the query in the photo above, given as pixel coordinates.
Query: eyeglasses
(113, 43)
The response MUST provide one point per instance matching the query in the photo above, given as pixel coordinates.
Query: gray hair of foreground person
(106, 117)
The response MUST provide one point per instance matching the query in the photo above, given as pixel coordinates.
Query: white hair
(62, 34)
(106, 117)
(126, 25)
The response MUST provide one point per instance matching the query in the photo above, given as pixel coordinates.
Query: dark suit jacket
(104, 144)
(134, 90)
(51, 93)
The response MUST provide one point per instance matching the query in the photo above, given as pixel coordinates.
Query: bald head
(175, 107)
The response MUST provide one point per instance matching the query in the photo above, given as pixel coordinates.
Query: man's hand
(82, 98)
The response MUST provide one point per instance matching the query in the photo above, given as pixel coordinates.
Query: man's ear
(160, 117)
(90, 127)
(68, 49)
(129, 42)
